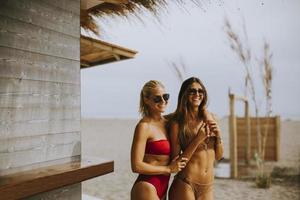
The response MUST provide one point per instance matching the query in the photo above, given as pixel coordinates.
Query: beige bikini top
(185, 141)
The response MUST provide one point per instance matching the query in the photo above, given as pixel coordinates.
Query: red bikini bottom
(160, 182)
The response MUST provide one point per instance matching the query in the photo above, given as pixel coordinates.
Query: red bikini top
(158, 147)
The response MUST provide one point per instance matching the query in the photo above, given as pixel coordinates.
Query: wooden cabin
(40, 61)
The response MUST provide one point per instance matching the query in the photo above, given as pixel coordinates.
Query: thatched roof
(123, 8)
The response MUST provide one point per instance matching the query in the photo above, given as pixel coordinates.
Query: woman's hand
(214, 128)
(177, 164)
(203, 132)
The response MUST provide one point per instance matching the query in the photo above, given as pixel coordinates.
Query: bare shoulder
(142, 128)
(211, 116)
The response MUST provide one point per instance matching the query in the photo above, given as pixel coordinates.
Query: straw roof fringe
(131, 8)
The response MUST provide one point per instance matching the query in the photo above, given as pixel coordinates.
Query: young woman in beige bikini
(195, 133)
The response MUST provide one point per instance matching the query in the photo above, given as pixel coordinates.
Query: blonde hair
(146, 93)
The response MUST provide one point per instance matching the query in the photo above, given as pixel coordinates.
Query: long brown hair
(182, 113)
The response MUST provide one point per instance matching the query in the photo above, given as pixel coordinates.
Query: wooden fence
(244, 142)
(272, 142)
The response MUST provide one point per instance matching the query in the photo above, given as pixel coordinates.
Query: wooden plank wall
(39, 82)
(272, 144)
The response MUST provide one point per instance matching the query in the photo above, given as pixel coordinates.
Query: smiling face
(195, 94)
(157, 100)
(192, 95)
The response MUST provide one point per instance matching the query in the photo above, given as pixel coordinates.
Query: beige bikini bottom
(199, 189)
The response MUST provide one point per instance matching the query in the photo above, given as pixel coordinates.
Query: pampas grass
(180, 69)
(243, 52)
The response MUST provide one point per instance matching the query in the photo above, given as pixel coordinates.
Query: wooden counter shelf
(31, 182)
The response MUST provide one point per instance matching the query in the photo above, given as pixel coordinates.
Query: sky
(196, 37)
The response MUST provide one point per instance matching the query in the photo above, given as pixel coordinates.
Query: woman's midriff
(200, 168)
(157, 160)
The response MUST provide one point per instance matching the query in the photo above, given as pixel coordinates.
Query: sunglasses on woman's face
(158, 99)
(194, 91)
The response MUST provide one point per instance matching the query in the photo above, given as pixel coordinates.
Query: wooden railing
(31, 182)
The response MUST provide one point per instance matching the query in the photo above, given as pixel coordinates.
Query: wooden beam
(117, 57)
(248, 133)
(107, 46)
(116, 1)
(28, 183)
(96, 52)
(277, 135)
(240, 98)
(96, 56)
(84, 63)
(233, 139)
(84, 53)
(88, 4)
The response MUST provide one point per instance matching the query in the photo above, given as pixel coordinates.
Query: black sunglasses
(194, 91)
(158, 99)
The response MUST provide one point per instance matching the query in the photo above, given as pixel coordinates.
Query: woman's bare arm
(175, 147)
(219, 149)
(188, 152)
(214, 128)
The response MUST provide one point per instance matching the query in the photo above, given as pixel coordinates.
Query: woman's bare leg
(143, 191)
(180, 190)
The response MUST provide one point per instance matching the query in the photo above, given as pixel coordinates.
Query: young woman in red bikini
(150, 151)
(194, 132)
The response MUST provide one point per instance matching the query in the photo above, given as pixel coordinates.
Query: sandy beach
(111, 139)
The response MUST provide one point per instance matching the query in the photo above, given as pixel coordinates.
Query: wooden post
(248, 132)
(277, 135)
(233, 140)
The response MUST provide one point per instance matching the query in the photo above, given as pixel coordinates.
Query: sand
(111, 139)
